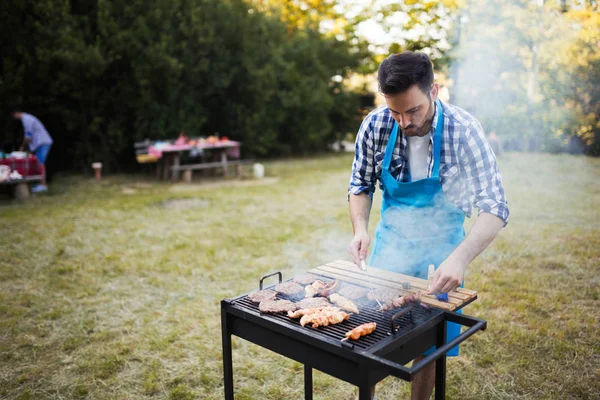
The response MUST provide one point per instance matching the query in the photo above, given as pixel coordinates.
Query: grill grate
(413, 317)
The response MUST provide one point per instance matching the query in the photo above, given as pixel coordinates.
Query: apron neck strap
(437, 140)
(389, 149)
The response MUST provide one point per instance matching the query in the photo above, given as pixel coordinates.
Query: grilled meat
(307, 311)
(313, 302)
(353, 292)
(312, 289)
(329, 288)
(289, 288)
(305, 279)
(261, 295)
(276, 306)
(401, 301)
(324, 318)
(361, 330)
(344, 303)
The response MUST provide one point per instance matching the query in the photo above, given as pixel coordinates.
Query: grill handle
(267, 276)
(406, 373)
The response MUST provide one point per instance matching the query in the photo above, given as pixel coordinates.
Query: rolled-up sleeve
(482, 173)
(363, 168)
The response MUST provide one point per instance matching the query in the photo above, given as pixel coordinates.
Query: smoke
(502, 71)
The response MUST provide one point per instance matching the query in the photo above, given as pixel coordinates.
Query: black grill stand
(358, 367)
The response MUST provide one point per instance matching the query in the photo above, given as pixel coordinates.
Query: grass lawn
(112, 290)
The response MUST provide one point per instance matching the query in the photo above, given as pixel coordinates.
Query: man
(433, 165)
(38, 140)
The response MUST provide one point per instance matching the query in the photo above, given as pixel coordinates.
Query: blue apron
(418, 226)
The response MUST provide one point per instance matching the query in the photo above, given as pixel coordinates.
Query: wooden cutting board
(349, 272)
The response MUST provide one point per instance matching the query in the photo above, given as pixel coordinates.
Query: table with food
(17, 169)
(210, 152)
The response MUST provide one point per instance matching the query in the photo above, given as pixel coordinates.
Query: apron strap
(437, 140)
(389, 148)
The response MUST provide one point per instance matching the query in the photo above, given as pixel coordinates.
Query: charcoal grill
(402, 334)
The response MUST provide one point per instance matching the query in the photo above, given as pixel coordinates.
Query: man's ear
(435, 89)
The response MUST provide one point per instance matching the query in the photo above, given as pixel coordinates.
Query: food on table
(313, 289)
(313, 302)
(324, 318)
(344, 303)
(261, 295)
(276, 306)
(361, 330)
(306, 311)
(305, 279)
(353, 292)
(290, 288)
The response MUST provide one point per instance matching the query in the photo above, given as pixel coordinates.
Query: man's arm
(360, 208)
(26, 141)
(485, 186)
(451, 272)
(360, 191)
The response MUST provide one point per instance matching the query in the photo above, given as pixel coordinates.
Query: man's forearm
(482, 233)
(360, 208)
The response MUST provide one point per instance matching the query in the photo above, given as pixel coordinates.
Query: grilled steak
(276, 306)
(313, 302)
(290, 288)
(261, 295)
(353, 292)
(305, 279)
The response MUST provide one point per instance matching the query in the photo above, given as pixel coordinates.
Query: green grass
(108, 291)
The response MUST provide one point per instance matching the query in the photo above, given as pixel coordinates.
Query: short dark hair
(399, 72)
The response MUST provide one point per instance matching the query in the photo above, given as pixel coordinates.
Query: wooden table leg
(176, 163)
(166, 166)
(20, 191)
(224, 162)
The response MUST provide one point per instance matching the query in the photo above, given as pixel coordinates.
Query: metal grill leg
(308, 383)
(440, 366)
(227, 357)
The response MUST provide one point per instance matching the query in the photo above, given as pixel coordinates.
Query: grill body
(362, 363)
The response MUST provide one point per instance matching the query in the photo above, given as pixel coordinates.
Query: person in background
(434, 166)
(37, 139)
(496, 144)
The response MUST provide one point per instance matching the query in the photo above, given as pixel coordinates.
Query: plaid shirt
(468, 170)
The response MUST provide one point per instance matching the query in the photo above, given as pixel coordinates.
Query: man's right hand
(358, 247)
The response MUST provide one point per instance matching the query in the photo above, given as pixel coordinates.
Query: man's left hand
(448, 276)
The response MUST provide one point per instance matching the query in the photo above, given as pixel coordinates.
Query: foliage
(102, 74)
(530, 73)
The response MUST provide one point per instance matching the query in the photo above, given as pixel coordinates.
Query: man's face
(17, 115)
(413, 109)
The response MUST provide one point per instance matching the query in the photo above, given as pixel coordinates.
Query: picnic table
(168, 156)
(30, 169)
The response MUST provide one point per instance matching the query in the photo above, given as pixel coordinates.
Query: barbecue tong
(363, 266)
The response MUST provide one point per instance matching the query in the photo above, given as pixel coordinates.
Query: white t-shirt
(418, 152)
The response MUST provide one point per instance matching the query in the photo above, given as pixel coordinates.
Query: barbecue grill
(402, 334)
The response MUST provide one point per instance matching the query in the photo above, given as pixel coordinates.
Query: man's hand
(448, 276)
(358, 247)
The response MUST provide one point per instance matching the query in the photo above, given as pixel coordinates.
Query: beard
(425, 127)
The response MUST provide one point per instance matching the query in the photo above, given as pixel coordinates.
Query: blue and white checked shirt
(468, 170)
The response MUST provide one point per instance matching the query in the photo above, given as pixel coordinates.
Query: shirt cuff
(500, 210)
(361, 189)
